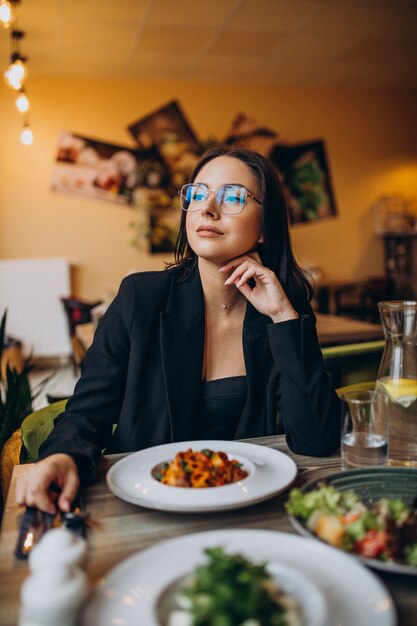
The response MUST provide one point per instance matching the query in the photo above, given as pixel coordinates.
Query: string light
(16, 74)
(22, 102)
(26, 136)
(6, 13)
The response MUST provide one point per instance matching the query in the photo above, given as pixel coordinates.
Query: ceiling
(357, 43)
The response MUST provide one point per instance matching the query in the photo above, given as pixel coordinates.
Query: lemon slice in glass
(401, 390)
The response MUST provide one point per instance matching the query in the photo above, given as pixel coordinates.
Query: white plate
(270, 472)
(353, 594)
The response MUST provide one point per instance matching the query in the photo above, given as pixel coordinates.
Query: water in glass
(363, 450)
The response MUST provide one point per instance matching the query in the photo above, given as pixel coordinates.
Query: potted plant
(15, 404)
(15, 392)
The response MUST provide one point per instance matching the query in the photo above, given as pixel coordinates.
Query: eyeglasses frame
(249, 194)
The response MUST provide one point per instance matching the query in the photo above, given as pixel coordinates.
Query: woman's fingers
(33, 488)
(235, 276)
(247, 274)
(234, 263)
(37, 489)
(245, 271)
(21, 489)
(40, 498)
(69, 491)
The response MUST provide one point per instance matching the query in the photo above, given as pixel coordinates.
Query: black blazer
(144, 369)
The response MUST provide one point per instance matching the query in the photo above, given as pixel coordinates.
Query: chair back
(35, 429)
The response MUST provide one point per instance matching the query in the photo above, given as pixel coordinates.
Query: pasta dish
(201, 469)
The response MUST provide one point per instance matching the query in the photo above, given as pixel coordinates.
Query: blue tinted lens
(198, 193)
(233, 196)
(192, 194)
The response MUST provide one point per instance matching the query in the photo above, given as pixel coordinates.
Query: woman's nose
(210, 205)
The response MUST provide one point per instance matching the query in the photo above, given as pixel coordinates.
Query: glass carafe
(397, 379)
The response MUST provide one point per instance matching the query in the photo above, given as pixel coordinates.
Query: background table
(120, 528)
(336, 329)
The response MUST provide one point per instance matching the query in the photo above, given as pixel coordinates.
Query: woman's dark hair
(276, 250)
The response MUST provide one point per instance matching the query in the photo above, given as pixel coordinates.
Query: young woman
(221, 345)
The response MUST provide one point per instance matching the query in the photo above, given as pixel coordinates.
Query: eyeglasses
(230, 199)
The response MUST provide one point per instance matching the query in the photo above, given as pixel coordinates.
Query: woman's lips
(209, 231)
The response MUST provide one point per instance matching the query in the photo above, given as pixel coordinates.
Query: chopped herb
(231, 590)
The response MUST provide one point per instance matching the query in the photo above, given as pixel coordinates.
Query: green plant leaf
(15, 393)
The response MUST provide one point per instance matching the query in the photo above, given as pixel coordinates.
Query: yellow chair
(10, 456)
(23, 446)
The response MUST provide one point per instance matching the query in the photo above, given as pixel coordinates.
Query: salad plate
(370, 485)
(306, 569)
(133, 478)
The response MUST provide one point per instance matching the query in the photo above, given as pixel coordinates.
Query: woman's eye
(232, 199)
(199, 196)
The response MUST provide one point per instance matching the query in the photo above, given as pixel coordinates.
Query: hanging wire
(16, 36)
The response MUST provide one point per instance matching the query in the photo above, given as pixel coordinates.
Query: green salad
(230, 590)
(386, 530)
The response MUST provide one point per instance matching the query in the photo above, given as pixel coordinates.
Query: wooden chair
(78, 312)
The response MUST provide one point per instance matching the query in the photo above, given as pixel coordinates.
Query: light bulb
(22, 102)
(26, 136)
(15, 75)
(6, 13)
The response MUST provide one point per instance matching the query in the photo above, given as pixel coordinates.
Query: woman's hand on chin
(268, 296)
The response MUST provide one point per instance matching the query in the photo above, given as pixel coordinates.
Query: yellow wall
(371, 139)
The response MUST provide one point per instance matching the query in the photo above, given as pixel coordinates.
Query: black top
(221, 405)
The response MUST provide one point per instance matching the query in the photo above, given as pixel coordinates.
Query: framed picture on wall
(304, 173)
(96, 169)
(168, 129)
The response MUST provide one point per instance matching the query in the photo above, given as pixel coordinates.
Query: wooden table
(120, 528)
(335, 329)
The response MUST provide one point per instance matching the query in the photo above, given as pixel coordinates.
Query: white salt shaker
(57, 586)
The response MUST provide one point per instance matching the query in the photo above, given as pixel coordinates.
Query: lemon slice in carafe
(401, 390)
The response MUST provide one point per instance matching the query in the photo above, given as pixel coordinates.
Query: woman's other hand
(268, 296)
(34, 487)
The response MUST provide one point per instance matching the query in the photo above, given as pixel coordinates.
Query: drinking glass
(364, 441)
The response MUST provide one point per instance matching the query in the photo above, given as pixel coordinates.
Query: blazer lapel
(182, 345)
